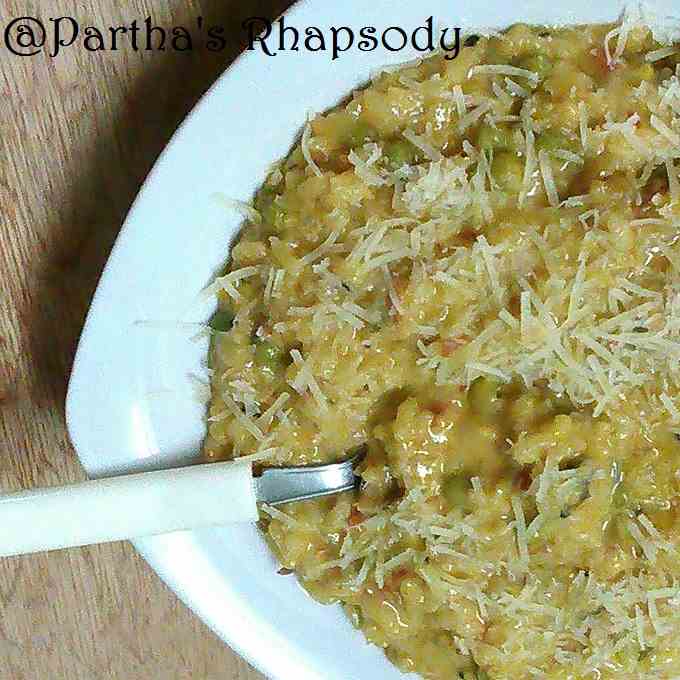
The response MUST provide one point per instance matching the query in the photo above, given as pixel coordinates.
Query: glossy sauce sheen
(405, 285)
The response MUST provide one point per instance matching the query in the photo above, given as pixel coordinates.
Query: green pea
(455, 490)
(634, 75)
(490, 137)
(508, 171)
(483, 396)
(561, 404)
(538, 63)
(265, 195)
(551, 140)
(358, 134)
(268, 355)
(274, 215)
(223, 321)
(399, 153)
(497, 51)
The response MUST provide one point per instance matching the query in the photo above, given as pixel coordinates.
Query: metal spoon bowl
(153, 503)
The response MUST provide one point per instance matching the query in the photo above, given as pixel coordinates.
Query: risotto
(471, 270)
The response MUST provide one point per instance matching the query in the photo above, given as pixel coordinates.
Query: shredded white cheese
(306, 151)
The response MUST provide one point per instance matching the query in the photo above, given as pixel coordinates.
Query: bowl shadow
(105, 185)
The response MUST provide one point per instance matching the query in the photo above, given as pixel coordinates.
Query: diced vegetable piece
(483, 396)
(264, 196)
(538, 63)
(399, 152)
(552, 139)
(490, 137)
(636, 74)
(656, 184)
(455, 490)
(273, 214)
(561, 404)
(497, 51)
(508, 171)
(222, 321)
(358, 134)
(268, 355)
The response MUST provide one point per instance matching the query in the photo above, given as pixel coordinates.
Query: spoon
(153, 503)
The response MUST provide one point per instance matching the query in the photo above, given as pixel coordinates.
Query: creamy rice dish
(471, 269)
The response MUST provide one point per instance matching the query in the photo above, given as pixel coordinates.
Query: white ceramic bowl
(130, 404)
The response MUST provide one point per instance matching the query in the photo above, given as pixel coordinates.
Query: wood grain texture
(78, 134)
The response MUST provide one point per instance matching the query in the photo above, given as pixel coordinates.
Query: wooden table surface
(78, 134)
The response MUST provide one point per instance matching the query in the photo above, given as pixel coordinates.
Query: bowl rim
(156, 551)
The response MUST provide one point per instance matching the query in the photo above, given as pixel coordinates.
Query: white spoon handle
(132, 506)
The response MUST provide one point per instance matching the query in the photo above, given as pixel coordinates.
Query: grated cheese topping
(504, 70)
(473, 272)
